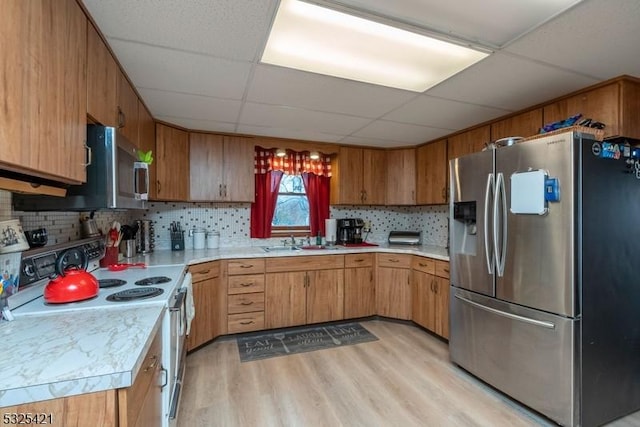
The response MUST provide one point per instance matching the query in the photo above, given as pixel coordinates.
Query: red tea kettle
(71, 283)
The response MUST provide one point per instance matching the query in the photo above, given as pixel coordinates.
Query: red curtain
(317, 189)
(262, 209)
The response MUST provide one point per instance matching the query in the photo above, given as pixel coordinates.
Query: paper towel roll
(331, 230)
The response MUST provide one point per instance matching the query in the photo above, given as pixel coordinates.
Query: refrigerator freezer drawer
(525, 353)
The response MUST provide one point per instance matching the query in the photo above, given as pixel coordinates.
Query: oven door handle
(180, 296)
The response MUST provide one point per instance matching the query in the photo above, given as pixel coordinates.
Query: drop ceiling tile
(172, 70)
(204, 125)
(404, 134)
(299, 119)
(371, 142)
(442, 113)
(596, 38)
(493, 21)
(288, 133)
(509, 82)
(283, 86)
(233, 29)
(195, 107)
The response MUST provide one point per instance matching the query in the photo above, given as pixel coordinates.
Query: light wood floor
(403, 379)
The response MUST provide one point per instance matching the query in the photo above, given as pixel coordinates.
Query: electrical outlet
(367, 226)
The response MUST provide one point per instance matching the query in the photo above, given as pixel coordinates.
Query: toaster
(405, 238)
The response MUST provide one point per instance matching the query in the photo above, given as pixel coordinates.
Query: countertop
(64, 354)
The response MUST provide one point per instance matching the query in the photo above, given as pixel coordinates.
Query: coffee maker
(350, 230)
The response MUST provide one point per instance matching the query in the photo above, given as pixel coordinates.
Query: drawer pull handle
(203, 272)
(446, 270)
(394, 260)
(247, 323)
(246, 266)
(359, 260)
(246, 303)
(246, 284)
(422, 265)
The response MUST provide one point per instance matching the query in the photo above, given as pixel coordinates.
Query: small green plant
(145, 157)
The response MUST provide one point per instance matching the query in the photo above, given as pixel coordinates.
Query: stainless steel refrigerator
(545, 283)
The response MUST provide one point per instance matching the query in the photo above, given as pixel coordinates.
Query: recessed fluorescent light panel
(312, 38)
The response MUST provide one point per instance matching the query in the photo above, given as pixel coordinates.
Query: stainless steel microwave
(115, 178)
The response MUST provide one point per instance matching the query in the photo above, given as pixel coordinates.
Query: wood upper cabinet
(431, 173)
(468, 142)
(44, 89)
(401, 177)
(102, 80)
(311, 291)
(616, 104)
(524, 124)
(127, 116)
(393, 286)
(359, 177)
(147, 142)
(359, 286)
(221, 168)
(172, 163)
(210, 301)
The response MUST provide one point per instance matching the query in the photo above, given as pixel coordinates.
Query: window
(292, 207)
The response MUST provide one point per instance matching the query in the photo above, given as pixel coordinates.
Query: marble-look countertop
(57, 355)
(65, 354)
(197, 256)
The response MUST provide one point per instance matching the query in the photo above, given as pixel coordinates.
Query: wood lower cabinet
(401, 177)
(302, 290)
(210, 301)
(430, 295)
(221, 168)
(359, 177)
(359, 286)
(44, 89)
(102, 78)
(171, 163)
(393, 286)
(246, 296)
(431, 173)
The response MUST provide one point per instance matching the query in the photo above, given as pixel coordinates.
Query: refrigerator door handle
(488, 193)
(500, 250)
(524, 319)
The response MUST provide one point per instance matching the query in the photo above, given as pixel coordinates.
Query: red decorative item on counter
(110, 256)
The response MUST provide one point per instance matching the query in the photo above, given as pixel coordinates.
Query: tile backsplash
(232, 220)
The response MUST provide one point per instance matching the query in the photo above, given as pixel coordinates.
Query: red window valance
(294, 163)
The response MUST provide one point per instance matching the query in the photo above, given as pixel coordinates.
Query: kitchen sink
(280, 248)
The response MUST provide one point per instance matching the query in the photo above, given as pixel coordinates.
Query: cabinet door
(422, 300)
(206, 325)
(43, 89)
(524, 124)
(172, 163)
(346, 181)
(401, 177)
(285, 299)
(393, 293)
(374, 177)
(325, 295)
(206, 165)
(127, 109)
(441, 305)
(102, 79)
(239, 175)
(431, 173)
(147, 142)
(359, 292)
(468, 142)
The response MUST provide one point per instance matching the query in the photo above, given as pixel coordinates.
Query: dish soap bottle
(319, 239)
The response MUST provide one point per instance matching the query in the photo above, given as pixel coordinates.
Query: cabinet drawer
(305, 263)
(204, 271)
(393, 260)
(245, 266)
(358, 260)
(426, 265)
(245, 322)
(246, 284)
(245, 303)
(442, 269)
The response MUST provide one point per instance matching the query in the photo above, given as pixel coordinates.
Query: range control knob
(28, 270)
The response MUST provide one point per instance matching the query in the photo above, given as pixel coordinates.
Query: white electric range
(165, 286)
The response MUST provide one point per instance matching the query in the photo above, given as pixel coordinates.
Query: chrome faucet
(293, 241)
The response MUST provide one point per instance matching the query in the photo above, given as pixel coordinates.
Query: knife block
(177, 240)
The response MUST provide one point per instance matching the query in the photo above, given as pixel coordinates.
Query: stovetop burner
(134, 294)
(111, 283)
(156, 280)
